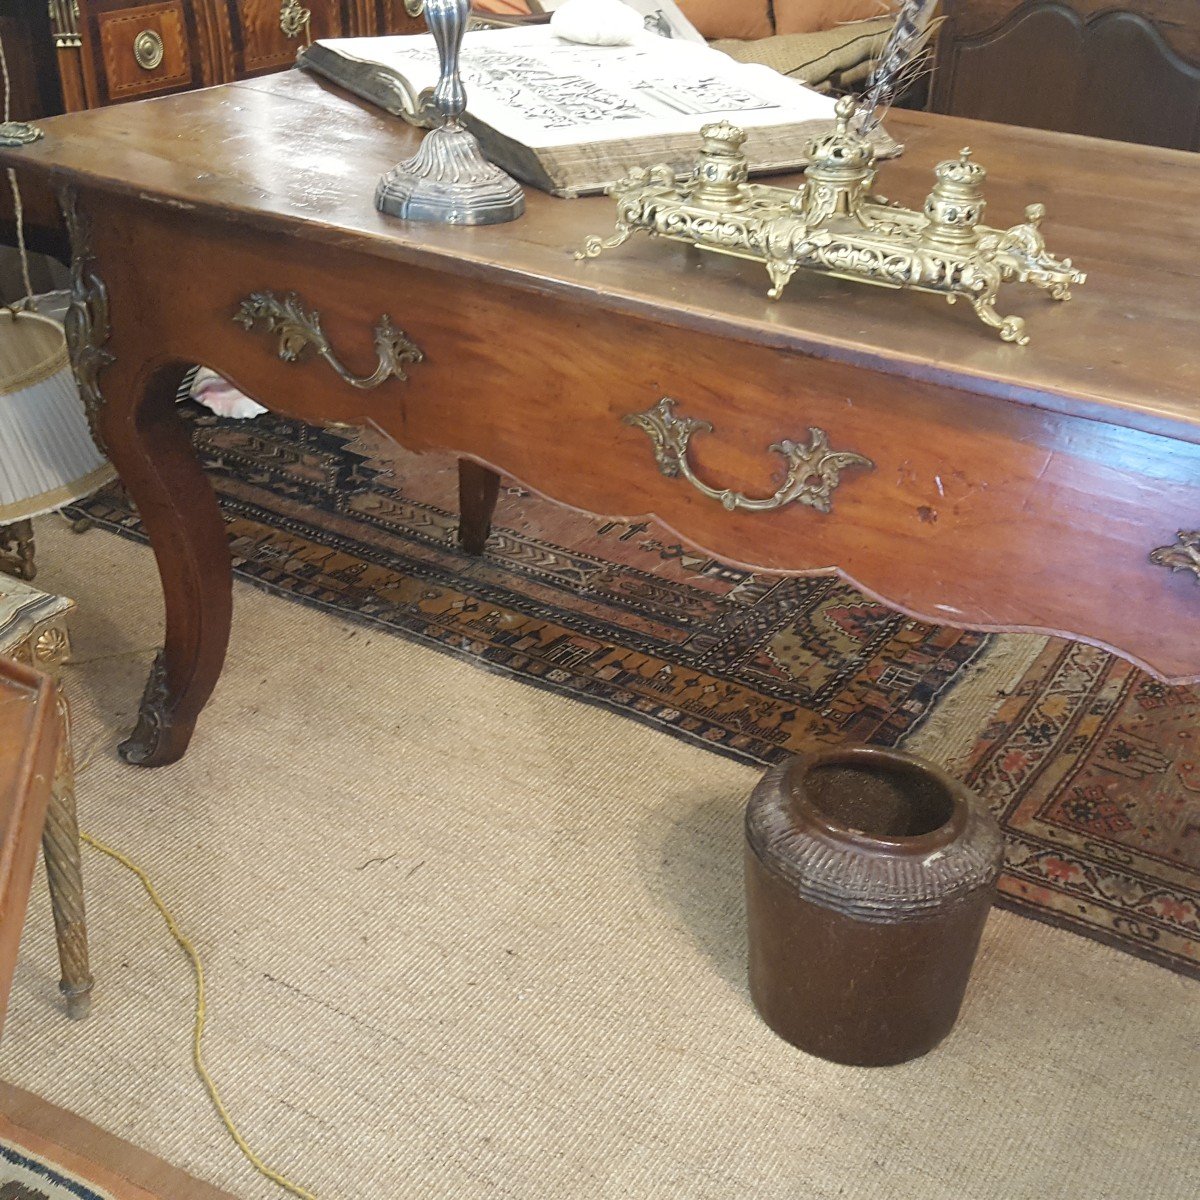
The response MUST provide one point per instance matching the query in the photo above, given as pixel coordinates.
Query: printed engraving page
(544, 92)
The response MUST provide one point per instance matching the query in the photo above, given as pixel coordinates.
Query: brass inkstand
(832, 223)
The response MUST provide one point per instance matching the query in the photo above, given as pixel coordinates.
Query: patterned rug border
(56, 1177)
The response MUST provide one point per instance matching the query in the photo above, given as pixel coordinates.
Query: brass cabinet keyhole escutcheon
(295, 21)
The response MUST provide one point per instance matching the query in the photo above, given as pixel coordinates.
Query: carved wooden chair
(1131, 73)
(33, 634)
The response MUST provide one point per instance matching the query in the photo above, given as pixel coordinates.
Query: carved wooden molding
(1142, 87)
(1173, 20)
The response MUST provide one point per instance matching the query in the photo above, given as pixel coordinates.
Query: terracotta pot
(869, 875)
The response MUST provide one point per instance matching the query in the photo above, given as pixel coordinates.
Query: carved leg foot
(478, 488)
(153, 453)
(156, 740)
(780, 275)
(1012, 329)
(128, 392)
(60, 847)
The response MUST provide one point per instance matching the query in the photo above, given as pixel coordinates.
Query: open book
(571, 119)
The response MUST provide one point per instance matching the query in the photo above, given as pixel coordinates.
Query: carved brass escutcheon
(295, 21)
(298, 330)
(813, 470)
(1183, 556)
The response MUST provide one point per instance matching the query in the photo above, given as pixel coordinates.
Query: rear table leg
(478, 488)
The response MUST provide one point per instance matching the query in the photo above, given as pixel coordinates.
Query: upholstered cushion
(808, 16)
(833, 56)
(729, 18)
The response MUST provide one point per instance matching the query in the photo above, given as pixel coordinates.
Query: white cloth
(209, 389)
(597, 23)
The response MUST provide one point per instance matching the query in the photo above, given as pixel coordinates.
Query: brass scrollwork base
(299, 330)
(1183, 556)
(833, 225)
(18, 133)
(813, 470)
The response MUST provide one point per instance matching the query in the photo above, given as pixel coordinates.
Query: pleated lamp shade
(47, 456)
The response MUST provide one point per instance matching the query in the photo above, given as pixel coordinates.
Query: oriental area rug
(25, 1177)
(1091, 767)
(49, 1153)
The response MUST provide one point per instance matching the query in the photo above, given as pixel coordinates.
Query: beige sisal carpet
(468, 939)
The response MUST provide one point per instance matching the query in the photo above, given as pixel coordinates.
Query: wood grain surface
(1129, 72)
(292, 155)
(121, 1169)
(1012, 487)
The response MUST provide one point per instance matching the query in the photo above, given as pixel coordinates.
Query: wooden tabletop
(292, 152)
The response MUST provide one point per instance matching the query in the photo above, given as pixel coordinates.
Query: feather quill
(898, 62)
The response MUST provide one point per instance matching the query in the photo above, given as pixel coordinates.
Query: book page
(543, 91)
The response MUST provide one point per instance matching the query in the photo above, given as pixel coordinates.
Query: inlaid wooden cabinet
(66, 55)
(115, 50)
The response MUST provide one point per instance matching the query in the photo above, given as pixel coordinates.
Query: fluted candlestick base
(450, 180)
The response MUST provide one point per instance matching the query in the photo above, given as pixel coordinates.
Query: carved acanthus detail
(87, 326)
(142, 743)
(1183, 556)
(299, 330)
(813, 470)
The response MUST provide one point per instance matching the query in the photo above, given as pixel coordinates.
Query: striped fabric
(47, 456)
(27, 1176)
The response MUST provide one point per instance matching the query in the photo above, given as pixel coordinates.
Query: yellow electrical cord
(198, 1035)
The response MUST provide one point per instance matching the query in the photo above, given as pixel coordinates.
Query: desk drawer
(144, 50)
(957, 507)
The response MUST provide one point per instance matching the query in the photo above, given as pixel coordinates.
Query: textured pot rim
(877, 758)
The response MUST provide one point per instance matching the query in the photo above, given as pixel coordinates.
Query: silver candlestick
(449, 179)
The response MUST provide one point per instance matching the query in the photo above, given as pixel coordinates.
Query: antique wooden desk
(1054, 487)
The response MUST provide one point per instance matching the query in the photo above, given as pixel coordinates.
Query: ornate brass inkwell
(832, 223)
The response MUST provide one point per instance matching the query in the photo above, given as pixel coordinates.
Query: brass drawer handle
(1183, 556)
(813, 470)
(148, 50)
(298, 330)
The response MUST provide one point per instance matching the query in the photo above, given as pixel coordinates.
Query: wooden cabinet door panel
(260, 44)
(139, 50)
(393, 18)
(1073, 67)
